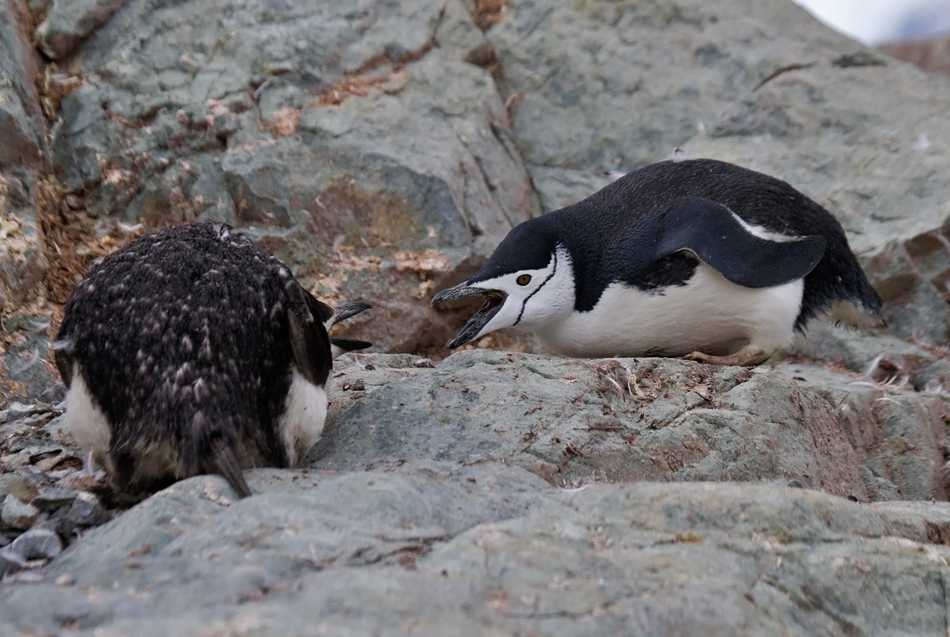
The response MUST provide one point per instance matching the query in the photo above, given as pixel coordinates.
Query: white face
(535, 297)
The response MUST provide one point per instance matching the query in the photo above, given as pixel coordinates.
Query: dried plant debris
(73, 241)
(487, 13)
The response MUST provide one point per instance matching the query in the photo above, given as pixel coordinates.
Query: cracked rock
(17, 514)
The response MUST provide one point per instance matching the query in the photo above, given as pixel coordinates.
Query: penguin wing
(309, 341)
(725, 243)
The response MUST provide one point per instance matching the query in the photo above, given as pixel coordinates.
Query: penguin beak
(341, 312)
(345, 310)
(494, 300)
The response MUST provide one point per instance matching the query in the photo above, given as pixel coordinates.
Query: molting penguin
(193, 351)
(694, 257)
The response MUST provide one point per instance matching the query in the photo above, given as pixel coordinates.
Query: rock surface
(487, 548)
(578, 421)
(382, 149)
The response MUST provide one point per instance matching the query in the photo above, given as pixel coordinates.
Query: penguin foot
(745, 357)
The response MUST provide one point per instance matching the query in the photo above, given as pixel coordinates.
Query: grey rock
(53, 395)
(23, 261)
(629, 550)
(490, 549)
(592, 89)
(579, 421)
(10, 562)
(914, 307)
(879, 357)
(898, 436)
(58, 430)
(86, 512)
(22, 139)
(22, 153)
(36, 544)
(19, 411)
(31, 546)
(16, 485)
(17, 514)
(51, 500)
(333, 134)
(874, 173)
(69, 22)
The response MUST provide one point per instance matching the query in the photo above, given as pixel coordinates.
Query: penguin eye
(524, 279)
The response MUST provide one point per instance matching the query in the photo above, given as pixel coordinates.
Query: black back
(613, 236)
(186, 337)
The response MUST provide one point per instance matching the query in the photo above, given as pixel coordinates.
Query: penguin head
(527, 282)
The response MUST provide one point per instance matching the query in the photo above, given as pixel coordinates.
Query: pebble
(85, 511)
(53, 395)
(14, 483)
(51, 500)
(16, 411)
(44, 498)
(66, 579)
(36, 544)
(17, 514)
(9, 562)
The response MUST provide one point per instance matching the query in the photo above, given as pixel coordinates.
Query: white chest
(304, 414)
(708, 314)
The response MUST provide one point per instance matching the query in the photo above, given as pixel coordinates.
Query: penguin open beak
(341, 312)
(345, 310)
(494, 300)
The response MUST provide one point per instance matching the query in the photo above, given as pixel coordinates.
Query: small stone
(58, 430)
(36, 544)
(18, 486)
(60, 461)
(66, 579)
(87, 512)
(54, 395)
(16, 411)
(9, 561)
(18, 514)
(51, 500)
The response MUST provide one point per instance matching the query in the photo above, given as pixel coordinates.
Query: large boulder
(577, 421)
(487, 548)
(354, 141)
(23, 260)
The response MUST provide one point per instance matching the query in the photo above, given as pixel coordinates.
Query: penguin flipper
(725, 243)
(348, 344)
(309, 341)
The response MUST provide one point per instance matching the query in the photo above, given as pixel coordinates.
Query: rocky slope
(382, 149)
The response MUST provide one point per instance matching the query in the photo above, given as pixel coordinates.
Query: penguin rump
(696, 258)
(194, 351)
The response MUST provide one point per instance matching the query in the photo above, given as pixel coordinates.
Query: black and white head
(527, 282)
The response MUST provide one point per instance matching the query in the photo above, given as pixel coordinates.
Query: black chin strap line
(543, 283)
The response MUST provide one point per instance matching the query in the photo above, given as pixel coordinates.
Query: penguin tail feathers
(219, 447)
(856, 314)
(227, 466)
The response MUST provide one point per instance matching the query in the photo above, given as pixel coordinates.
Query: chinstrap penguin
(696, 258)
(193, 351)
